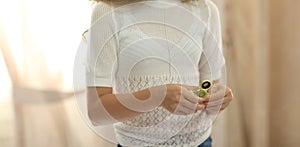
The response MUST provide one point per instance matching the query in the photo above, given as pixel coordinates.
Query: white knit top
(151, 43)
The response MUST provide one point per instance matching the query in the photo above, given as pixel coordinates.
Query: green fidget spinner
(203, 88)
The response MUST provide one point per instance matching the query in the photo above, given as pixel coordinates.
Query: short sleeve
(102, 47)
(212, 60)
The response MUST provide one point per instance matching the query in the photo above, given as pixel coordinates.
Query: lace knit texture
(157, 127)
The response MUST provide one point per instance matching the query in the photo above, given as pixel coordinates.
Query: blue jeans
(206, 143)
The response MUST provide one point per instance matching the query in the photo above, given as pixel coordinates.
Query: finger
(228, 91)
(227, 99)
(225, 103)
(217, 87)
(216, 96)
(215, 103)
(216, 100)
(215, 107)
(219, 101)
(180, 109)
(190, 96)
(224, 106)
(201, 107)
(203, 100)
(189, 105)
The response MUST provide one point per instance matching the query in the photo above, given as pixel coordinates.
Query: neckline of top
(162, 3)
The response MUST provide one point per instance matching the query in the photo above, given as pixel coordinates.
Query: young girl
(144, 58)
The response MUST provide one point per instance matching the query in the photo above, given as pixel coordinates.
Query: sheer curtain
(247, 53)
(262, 51)
(39, 40)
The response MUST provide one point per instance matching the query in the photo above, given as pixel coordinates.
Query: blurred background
(39, 40)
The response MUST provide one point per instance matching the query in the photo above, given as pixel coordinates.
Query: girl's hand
(179, 100)
(219, 99)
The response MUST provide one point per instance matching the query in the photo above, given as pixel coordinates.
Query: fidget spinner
(203, 88)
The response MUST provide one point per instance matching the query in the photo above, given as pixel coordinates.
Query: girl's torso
(160, 43)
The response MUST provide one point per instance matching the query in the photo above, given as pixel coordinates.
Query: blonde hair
(125, 1)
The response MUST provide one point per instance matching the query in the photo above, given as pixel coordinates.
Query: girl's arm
(101, 101)
(104, 107)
